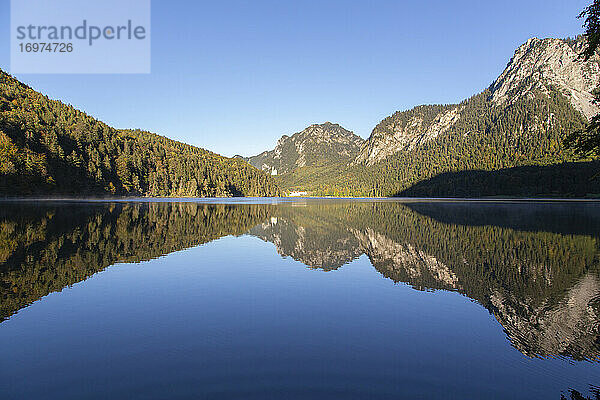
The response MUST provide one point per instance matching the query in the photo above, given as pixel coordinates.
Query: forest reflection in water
(534, 266)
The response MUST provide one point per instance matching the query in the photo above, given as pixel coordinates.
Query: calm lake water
(255, 299)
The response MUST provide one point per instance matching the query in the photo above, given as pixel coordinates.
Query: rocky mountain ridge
(539, 66)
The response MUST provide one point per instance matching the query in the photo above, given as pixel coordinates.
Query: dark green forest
(48, 147)
(574, 179)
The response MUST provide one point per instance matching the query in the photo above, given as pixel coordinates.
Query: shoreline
(271, 200)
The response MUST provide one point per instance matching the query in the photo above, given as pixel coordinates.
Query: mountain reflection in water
(534, 266)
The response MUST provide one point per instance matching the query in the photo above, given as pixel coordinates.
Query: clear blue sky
(233, 76)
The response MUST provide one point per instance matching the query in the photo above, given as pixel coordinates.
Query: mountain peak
(318, 144)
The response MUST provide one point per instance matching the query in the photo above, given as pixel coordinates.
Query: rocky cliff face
(319, 144)
(543, 63)
(403, 262)
(406, 131)
(538, 67)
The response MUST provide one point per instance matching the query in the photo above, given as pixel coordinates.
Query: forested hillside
(48, 147)
(487, 137)
(521, 119)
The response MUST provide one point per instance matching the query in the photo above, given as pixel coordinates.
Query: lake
(299, 298)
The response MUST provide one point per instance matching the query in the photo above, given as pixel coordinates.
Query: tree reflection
(535, 267)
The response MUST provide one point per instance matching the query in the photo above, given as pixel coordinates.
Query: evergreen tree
(586, 142)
